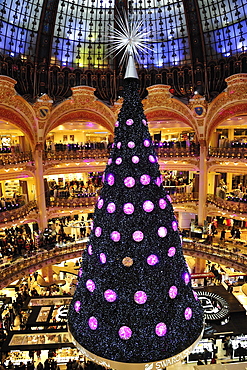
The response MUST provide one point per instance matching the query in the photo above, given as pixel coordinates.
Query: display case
(199, 349)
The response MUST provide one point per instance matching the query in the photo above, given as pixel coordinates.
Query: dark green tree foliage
(134, 301)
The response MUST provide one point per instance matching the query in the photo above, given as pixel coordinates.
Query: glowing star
(119, 145)
(90, 250)
(145, 179)
(77, 306)
(131, 144)
(90, 285)
(173, 292)
(138, 236)
(129, 182)
(111, 208)
(174, 225)
(144, 122)
(117, 124)
(152, 260)
(115, 236)
(125, 332)
(162, 232)
(186, 278)
(100, 203)
(146, 143)
(152, 159)
(135, 159)
(161, 329)
(110, 295)
(102, 258)
(129, 122)
(171, 251)
(109, 161)
(148, 206)
(128, 208)
(162, 203)
(188, 313)
(118, 161)
(98, 231)
(80, 272)
(93, 323)
(110, 179)
(140, 297)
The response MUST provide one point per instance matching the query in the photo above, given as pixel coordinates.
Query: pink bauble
(138, 236)
(125, 332)
(148, 206)
(100, 203)
(90, 250)
(93, 323)
(162, 232)
(135, 159)
(90, 285)
(110, 179)
(188, 313)
(174, 225)
(131, 144)
(145, 179)
(109, 161)
(129, 182)
(119, 144)
(98, 231)
(173, 292)
(77, 306)
(195, 295)
(115, 236)
(169, 198)
(111, 208)
(162, 203)
(144, 122)
(171, 251)
(102, 258)
(110, 295)
(129, 122)
(161, 329)
(146, 143)
(152, 260)
(128, 208)
(140, 297)
(118, 161)
(152, 159)
(186, 277)
(80, 272)
(158, 181)
(117, 124)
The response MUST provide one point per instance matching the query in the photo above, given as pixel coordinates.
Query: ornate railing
(75, 155)
(18, 212)
(235, 207)
(15, 158)
(177, 152)
(239, 153)
(74, 202)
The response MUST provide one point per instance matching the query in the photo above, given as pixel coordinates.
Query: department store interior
(58, 109)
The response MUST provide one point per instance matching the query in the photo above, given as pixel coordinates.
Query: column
(203, 183)
(231, 134)
(47, 272)
(40, 188)
(229, 181)
(211, 183)
(200, 265)
(184, 219)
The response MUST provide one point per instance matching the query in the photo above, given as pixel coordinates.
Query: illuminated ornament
(152, 260)
(110, 179)
(169, 198)
(174, 225)
(100, 203)
(127, 261)
(140, 297)
(129, 182)
(146, 143)
(113, 145)
(110, 295)
(90, 285)
(117, 124)
(93, 323)
(119, 145)
(115, 236)
(195, 295)
(77, 306)
(98, 231)
(138, 236)
(162, 231)
(80, 272)
(148, 206)
(125, 332)
(129, 122)
(145, 179)
(186, 278)
(128, 208)
(90, 250)
(161, 329)
(131, 144)
(118, 161)
(144, 122)
(111, 208)
(109, 161)
(135, 159)
(171, 251)
(152, 159)
(162, 203)
(158, 181)
(103, 177)
(102, 257)
(173, 292)
(188, 313)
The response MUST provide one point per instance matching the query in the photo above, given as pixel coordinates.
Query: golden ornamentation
(127, 261)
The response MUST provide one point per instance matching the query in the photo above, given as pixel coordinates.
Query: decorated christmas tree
(134, 302)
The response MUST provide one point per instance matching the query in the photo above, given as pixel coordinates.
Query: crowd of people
(8, 204)
(75, 188)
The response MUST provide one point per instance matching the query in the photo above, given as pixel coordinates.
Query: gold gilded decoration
(127, 261)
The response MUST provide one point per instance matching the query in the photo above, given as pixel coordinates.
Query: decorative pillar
(231, 134)
(40, 188)
(47, 272)
(229, 181)
(203, 182)
(211, 183)
(200, 265)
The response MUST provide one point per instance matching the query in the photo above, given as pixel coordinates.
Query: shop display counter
(199, 349)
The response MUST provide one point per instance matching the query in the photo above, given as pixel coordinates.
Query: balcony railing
(75, 155)
(15, 158)
(18, 212)
(239, 153)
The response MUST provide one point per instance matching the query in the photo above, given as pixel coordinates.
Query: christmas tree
(134, 302)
